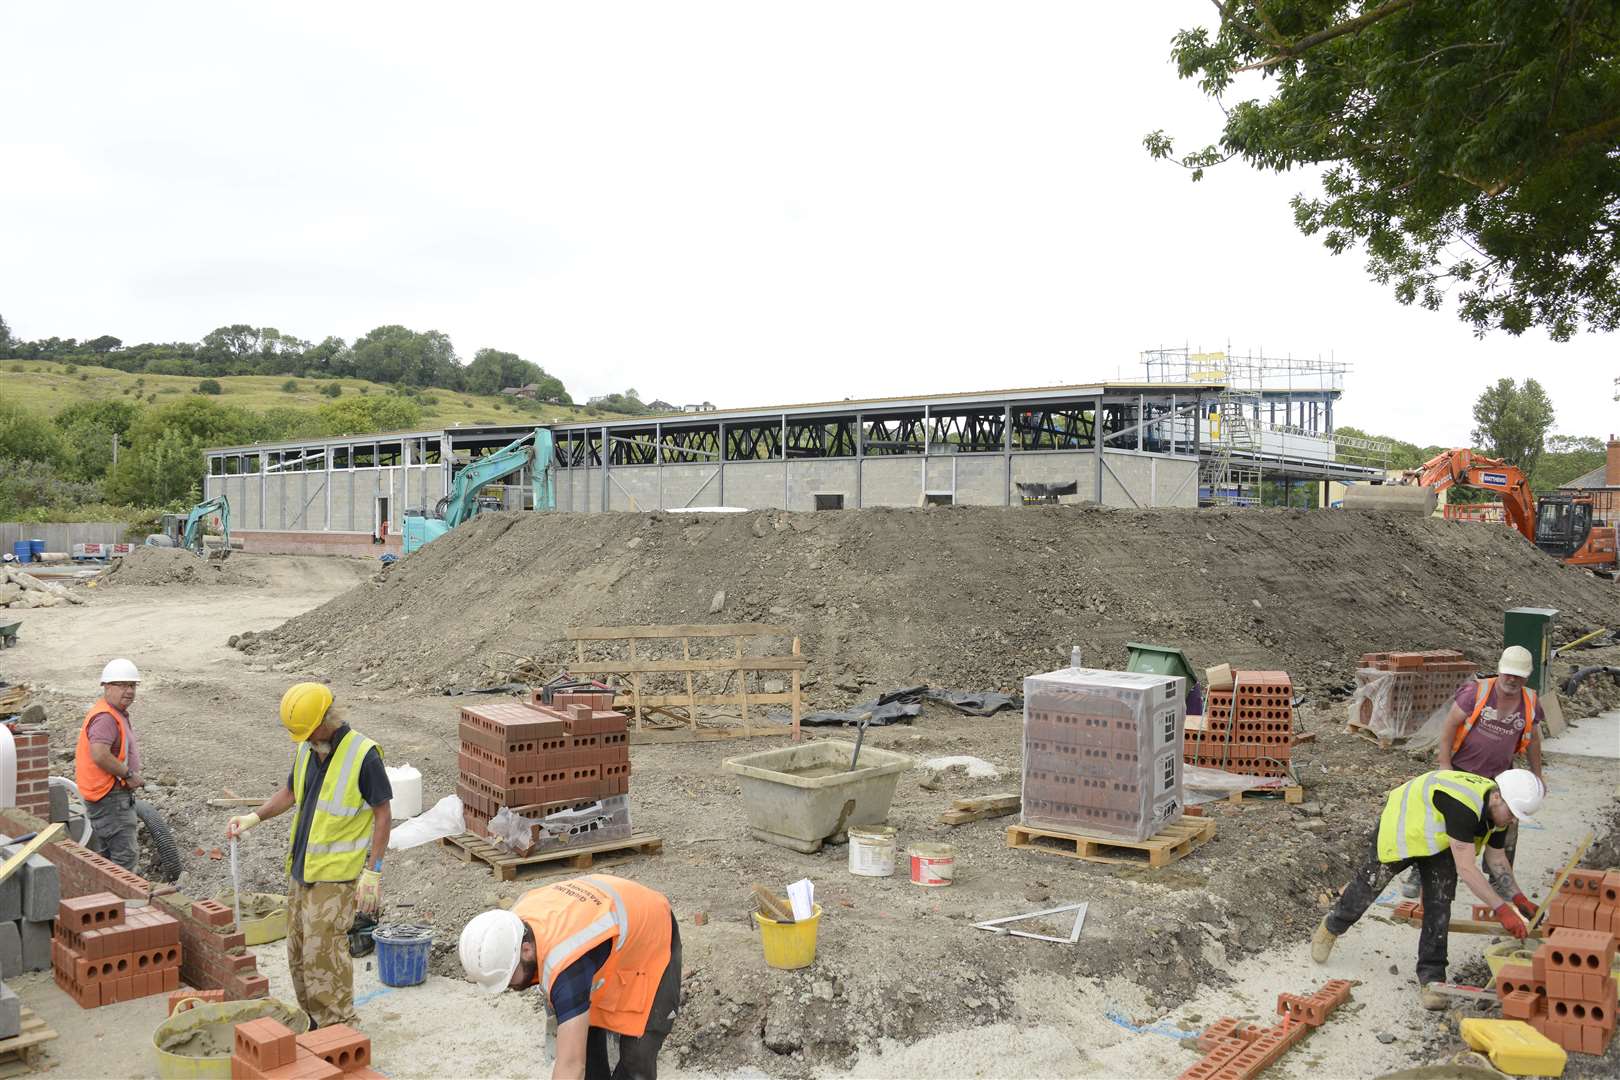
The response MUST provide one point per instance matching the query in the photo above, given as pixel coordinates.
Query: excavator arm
(191, 535)
(1476, 470)
(462, 502)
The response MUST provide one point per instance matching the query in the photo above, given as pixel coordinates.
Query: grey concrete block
(10, 1013)
(36, 945)
(11, 964)
(41, 886)
(59, 803)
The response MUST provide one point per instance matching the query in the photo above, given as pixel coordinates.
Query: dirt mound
(173, 566)
(969, 598)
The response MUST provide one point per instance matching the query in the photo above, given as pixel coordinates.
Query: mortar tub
(196, 1041)
(800, 797)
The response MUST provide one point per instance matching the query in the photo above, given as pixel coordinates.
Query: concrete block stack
(104, 953)
(28, 902)
(1397, 692)
(264, 1049)
(542, 758)
(1568, 991)
(1102, 752)
(1247, 729)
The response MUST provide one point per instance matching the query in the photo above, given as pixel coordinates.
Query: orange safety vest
(1486, 688)
(571, 918)
(94, 781)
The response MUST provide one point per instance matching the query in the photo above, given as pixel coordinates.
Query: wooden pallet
(1293, 794)
(469, 848)
(963, 811)
(1175, 841)
(25, 1048)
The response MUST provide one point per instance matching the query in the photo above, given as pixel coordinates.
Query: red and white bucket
(933, 865)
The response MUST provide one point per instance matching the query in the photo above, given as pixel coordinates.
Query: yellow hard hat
(303, 707)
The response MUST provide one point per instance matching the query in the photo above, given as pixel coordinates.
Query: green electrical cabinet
(1532, 628)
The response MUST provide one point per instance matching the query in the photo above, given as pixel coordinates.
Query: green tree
(332, 390)
(1567, 457)
(1467, 146)
(209, 386)
(290, 386)
(88, 429)
(6, 340)
(1511, 422)
(362, 415)
(165, 458)
(492, 370)
(396, 355)
(104, 344)
(27, 436)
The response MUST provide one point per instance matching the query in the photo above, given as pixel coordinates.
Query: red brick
(94, 912)
(1520, 1005)
(338, 1045)
(211, 913)
(256, 986)
(1581, 951)
(264, 1044)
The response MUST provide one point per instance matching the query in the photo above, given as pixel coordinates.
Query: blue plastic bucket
(36, 548)
(402, 953)
(23, 551)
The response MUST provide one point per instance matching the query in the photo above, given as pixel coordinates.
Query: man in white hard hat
(107, 765)
(1490, 723)
(606, 953)
(1439, 823)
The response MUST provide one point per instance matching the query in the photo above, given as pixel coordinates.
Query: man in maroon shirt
(1491, 721)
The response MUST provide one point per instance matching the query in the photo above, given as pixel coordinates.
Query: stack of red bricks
(541, 758)
(1399, 691)
(1248, 729)
(33, 771)
(264, 1049)
(103, 954)
(1237, 1051)
(1568, 992)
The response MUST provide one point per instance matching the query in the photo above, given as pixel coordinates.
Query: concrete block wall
(812, 476)
(891, 481)
(210, 960)
(755, 485)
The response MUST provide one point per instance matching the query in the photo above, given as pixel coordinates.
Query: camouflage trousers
(318, 921)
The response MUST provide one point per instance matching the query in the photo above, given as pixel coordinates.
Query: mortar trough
(801, 796)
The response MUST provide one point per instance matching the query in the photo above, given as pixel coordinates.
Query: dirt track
(897, 964)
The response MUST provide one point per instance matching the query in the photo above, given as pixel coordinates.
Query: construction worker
(107, 765)
(1491, 721)
(335, 854)
(607, 954)
(1439, 823)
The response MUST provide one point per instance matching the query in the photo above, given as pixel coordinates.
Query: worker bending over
(107, 765)
(341, 792)
(607, 954)
(1439, 823)
(1491, 721)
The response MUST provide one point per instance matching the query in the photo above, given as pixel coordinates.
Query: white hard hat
(1522, 790)
(119, 670)
(491, 945)
(1516, 660)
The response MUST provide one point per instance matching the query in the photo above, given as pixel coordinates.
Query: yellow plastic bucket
(213, 1022)
(789, 945)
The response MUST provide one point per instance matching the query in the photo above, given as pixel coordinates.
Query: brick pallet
(1248, 729)
(1176, 841)
(104, 954)
(1397, 692)
(564, 755)
(505, 865)
(1568, 991)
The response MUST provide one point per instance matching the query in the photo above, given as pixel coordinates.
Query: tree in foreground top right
(1470, 147)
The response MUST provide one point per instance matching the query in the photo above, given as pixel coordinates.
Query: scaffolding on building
(1230, 476)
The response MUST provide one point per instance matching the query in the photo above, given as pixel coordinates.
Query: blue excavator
(463, 503)
(173, 532)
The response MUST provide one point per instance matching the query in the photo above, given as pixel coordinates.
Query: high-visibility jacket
(1486, 687)
(340, 828)
(571, 918)
(94, 781)
(1411, 827)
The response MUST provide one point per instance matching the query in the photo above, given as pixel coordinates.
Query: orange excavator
(1561, 525)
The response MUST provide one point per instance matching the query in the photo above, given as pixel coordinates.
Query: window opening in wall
(940, 498)
(833, 501)
(365, 457)
(340, 457)
(233, 464)
(388, 453)
(250, 464)
(216, 466)
(379, 523)
(429, 454)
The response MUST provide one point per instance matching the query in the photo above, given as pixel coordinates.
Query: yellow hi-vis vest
(1412, 828)
(340, 829)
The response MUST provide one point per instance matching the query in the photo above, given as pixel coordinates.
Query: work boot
(1411, 886)
(1433, 1000)
(1322, 943)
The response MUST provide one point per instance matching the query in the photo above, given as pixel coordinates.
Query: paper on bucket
(802, 895)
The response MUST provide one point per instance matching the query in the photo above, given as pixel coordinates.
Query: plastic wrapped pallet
(1103, 751)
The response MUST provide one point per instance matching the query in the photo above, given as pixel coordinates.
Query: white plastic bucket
(871, 851)
(407, 785)
(933, 865)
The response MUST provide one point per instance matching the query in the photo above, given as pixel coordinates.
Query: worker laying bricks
(107, 765)
(1439, 823)
(606, 952)
(1491, 721)
(342, 812)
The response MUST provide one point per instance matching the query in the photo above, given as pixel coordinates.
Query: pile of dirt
(173, 566)
(963, 597)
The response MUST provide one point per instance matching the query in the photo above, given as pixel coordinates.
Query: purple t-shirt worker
(1484, 739)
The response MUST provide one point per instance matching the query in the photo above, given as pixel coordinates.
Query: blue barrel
(23, 551)
(36, 548)
(402, 953)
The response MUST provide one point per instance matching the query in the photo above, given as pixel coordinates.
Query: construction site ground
(902, 984)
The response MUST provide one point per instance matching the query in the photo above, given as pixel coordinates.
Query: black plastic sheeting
(899, 705)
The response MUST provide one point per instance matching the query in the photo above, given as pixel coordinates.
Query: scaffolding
(1230, 476)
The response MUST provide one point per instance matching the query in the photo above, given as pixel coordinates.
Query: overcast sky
(746, 202)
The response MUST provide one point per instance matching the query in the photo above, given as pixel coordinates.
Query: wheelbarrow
(8, 634)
